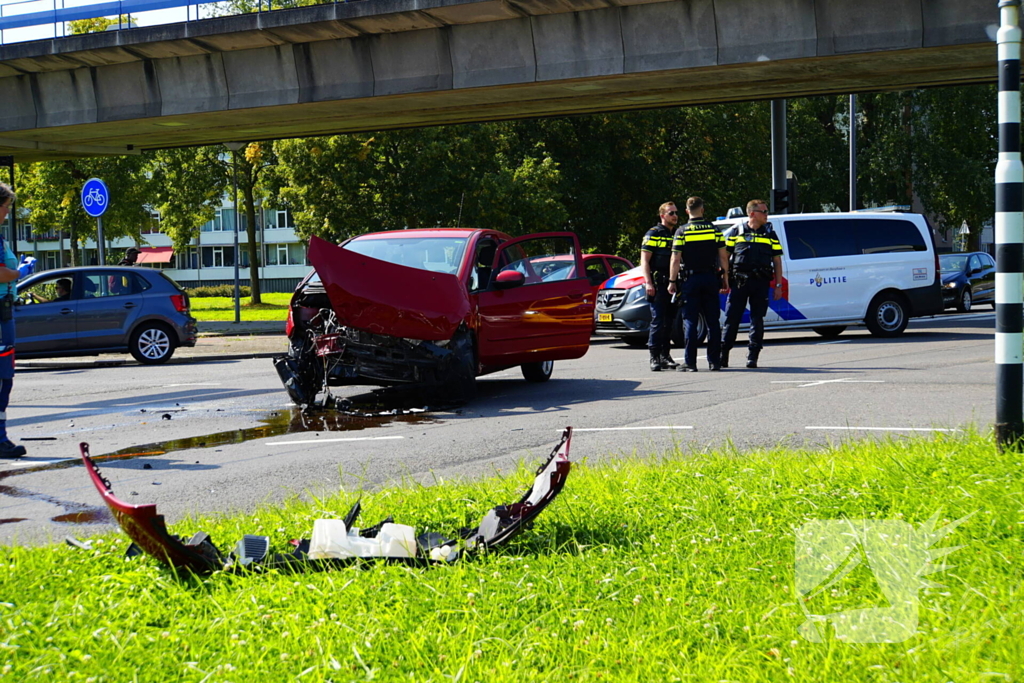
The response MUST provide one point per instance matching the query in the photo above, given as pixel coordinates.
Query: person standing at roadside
(699, 271)
(9, 275)
(655, 257)
(131, 256)
(756, 261)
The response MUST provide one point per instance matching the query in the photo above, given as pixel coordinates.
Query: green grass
(679, 567)
(274, 307)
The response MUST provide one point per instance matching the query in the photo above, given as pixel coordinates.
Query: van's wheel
(538, 372)
(888, 314)
(830, 331)
(151, 344)
(966, 300)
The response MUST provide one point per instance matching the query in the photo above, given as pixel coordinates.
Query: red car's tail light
(289, 324)
(179, 303)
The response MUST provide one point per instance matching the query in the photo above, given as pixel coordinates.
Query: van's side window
(818, 239)
(850, 236)
(880, 237)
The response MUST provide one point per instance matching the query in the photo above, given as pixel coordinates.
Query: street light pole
(853, 152)
(234, 147)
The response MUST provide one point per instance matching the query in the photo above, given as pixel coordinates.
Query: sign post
(95, 200)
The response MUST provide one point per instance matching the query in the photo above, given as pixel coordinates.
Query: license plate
(604, 317)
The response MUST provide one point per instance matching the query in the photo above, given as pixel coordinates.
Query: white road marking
(35, 462)
(886, 429)
(627, 429)
(844, 380)
(962, 316)
(361, 438)
(194, 384)
(841, 341)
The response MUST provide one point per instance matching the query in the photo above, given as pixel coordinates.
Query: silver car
(102, 309)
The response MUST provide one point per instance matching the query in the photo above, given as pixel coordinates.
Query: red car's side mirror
(507, 279)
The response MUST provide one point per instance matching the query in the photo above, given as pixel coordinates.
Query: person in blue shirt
(10, 271)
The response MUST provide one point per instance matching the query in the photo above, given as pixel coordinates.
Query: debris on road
(337, 541)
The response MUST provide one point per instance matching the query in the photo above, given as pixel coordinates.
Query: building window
(292, 254)
(282, 219)
(152, 227)
(187, 259)
(218, 257)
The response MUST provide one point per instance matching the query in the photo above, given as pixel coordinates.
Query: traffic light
(780, 201)
(784, 201)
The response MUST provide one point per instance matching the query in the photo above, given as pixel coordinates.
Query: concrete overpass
(378, 64)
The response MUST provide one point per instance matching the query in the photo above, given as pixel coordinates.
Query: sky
(12, 7)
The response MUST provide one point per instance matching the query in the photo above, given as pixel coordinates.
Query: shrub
(218, 290)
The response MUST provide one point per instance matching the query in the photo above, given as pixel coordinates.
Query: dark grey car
(108, 309)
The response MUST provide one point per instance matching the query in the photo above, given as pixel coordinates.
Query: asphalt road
(221, 436)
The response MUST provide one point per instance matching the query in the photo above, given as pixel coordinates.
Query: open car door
(539, 305)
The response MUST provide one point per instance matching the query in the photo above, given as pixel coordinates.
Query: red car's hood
(384, 298)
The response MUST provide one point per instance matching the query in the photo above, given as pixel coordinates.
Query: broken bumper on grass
(336, 541)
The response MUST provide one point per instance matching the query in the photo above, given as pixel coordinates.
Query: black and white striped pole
(1009, 236)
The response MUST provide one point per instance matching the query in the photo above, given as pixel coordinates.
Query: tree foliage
(188, 185)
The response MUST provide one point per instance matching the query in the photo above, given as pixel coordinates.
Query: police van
(839, 269)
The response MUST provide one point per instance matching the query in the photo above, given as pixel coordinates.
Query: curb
(68, 364)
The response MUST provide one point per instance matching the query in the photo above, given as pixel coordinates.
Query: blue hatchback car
(102, 309)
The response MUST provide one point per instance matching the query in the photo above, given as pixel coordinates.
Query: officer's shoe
(667, 363)
(715, 368)
(725, 359)
(687, 368)
(655, 362)
(752, 361)
(8, 449)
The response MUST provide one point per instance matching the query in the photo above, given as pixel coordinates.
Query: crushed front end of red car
(364, 320)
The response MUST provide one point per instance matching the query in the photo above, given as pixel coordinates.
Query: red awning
(155, 254)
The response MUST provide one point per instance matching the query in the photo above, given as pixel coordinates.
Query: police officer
(655, 257)
(756, 261)
(10, 271)
(699, 270)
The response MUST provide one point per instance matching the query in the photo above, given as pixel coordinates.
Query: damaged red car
(436, 307)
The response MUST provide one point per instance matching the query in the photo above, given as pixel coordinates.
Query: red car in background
(436, 307)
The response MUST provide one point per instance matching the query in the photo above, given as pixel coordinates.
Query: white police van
(842, 269)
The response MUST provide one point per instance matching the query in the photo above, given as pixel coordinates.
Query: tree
(51, 191)
(188, 185)
(956, 147)
(254, 160)
(478, 175)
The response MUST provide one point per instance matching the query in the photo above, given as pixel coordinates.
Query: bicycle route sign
(95, 197)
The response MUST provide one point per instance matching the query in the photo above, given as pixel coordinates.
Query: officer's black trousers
(701, 291)
(755, 291)
(659, 341)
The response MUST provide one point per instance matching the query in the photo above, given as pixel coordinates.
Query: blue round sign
(95, 197)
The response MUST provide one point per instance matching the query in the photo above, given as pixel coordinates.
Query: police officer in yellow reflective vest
(756, 261)
(655, 256)
(698, 270)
